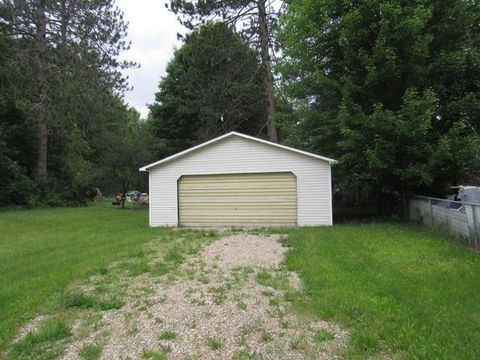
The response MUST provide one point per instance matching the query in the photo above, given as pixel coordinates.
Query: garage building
(240, 180)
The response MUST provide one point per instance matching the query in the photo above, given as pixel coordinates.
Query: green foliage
(83, 112)
(387, 87)
(212, 86)
(400, 290)
(127, 144)
(387, 148)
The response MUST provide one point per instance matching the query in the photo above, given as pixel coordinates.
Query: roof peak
(236, 133)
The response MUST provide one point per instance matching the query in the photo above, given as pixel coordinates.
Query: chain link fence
(461, 218)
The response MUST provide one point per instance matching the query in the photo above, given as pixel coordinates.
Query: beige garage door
(267, 199)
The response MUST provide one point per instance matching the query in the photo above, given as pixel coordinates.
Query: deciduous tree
(387, 87)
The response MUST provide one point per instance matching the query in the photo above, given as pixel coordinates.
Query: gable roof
(230, 134)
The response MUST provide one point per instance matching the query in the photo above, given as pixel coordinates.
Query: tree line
(63, 123)
(389, 88)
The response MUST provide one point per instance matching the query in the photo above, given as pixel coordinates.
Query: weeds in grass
(103, 270)
(192, 324)
(174, 255)
(91, 322)
(198, 301)
(247, 354)
(214, 343)
(81, 300)
(267, 293)
(165, 349)
(273, 301)
(134, 328)
(240, 303)
(323, 335)
(109, 304)
(365, 342)
(137, 265)
(160, 269)
(78, 300)
(285, 324)
(298, 343)
(203, 278)
(43, 344)
(266, 336)
(167, 335)
(289, 296)
(154, 355)
(275, 280)
(219, 294)
(244, 334)
(91, 351)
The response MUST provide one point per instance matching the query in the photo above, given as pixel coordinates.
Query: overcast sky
(153, 33)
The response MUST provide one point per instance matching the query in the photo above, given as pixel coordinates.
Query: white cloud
(153, 33)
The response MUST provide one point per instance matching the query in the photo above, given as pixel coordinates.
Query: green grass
(154, 355)
(91, 351)
(43, 344)
(81, 300)
(214, 343)
(43, 250)
(400, 290)
(323, 335)
(167, 335)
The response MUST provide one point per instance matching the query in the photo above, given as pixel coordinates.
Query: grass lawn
(42, 251)
(401, 291)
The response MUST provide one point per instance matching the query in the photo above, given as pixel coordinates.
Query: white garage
(239, 180)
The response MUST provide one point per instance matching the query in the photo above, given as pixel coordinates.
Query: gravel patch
(244, 250)
(228, 302)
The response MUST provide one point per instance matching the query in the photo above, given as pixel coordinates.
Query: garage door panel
(239, 190)
(241, 212)
(238, 199)
(214, 207)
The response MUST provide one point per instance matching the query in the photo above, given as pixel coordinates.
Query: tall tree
(211, 87)
(16, 140)
(66, 37)
(386, 85)
(254, 19)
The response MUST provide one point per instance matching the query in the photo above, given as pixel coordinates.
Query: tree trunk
(267, 70)
(41, 112)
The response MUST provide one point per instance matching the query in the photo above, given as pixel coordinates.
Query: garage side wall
(239, 155)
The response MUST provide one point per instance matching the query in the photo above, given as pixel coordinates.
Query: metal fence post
(431, 210)
(475, 224)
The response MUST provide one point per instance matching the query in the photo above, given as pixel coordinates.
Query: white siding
(235, 154)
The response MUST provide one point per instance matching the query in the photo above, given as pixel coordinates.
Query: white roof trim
(234, 133)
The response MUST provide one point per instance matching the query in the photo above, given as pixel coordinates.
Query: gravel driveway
(230, 301)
